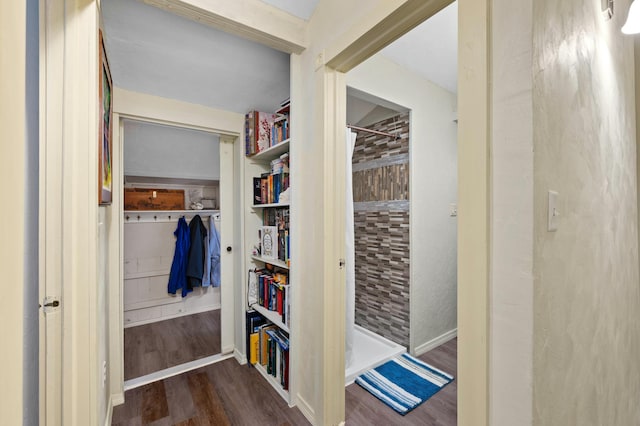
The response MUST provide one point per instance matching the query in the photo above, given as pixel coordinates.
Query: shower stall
(377, 243)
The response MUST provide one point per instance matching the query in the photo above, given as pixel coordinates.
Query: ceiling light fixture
(632, 26)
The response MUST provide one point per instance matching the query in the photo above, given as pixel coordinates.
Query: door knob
(229, 249)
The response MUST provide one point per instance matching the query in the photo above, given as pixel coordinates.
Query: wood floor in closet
(227, 393)
(153, 347)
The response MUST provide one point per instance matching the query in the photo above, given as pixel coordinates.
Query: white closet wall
(149, 248)
(155, 150)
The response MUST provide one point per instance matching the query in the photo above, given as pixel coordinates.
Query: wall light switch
(453, 210)
(553, 213)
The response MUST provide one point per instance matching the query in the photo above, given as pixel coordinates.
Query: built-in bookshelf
(268, 319)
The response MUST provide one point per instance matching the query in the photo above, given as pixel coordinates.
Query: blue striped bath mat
(404, 382)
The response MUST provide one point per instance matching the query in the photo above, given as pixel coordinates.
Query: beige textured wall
(586, 295)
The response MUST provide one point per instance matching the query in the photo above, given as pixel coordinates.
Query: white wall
(154, 150)
(511, 295)
(433, 186)
(586, 291)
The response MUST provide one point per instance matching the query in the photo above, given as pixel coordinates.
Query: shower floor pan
(369, 351)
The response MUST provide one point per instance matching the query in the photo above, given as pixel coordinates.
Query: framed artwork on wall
(105, 90)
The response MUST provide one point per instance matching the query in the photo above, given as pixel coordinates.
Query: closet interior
(171, 222)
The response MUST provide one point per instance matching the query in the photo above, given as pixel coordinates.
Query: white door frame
(142, 107)
(473, 196)
(13, 25)
(154, 109)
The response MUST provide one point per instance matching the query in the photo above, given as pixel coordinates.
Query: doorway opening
(171, 250)
(403, 103)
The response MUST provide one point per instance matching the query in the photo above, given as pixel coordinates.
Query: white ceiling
(158, 53)
(431, 49)
(300, 8)
(153, 51)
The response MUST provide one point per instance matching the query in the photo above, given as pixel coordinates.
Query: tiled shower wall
(381, 205)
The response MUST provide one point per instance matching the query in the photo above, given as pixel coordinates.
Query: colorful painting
(105, 174)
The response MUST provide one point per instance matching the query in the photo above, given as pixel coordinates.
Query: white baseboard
(179, 314)
(306, 409)
(109, 416)
(173, 371)
(434, 343)
(117, 399)
(240, 357)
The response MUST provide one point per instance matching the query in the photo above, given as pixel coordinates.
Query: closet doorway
(177, 204)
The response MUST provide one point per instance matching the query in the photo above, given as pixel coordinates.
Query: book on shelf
(273, 293)
(253, 346)
(257, 128)
(270, 185)
(269, 242)
(279, 217)
(263, 343)
(280, 129)
(253, 323)
(269, 347)
(278, 362)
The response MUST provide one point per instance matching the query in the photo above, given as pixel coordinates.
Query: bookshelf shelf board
(272, 152)
(272, 316)
(266, 206)
(274, 262)
(272, 380)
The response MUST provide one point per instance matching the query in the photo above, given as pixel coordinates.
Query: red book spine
(279, 300)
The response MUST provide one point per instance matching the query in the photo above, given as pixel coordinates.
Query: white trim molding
(306, 409)
(174, 371)
(434, 343)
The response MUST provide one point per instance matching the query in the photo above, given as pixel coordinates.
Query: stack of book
(263, 129)
(268, 187)
(257, 131)
(280, 129)
(268, 346)
(274, 353)
(274, 293)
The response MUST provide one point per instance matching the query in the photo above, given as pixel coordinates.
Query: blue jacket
(212, 258)
(178, 274)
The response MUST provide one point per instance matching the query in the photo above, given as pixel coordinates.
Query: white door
(226, 243)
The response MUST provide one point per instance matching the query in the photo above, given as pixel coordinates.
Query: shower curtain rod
(372, 131)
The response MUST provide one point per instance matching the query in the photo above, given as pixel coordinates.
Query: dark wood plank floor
(153, 347)
(440, 410)
(227, 393)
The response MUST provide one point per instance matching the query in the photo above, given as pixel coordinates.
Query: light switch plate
(553, 212)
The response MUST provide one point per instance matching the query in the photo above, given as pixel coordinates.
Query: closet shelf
(272, 152)
(163, 212)
(272, 316)
(274, 262)
(161, 216)
(274, 383)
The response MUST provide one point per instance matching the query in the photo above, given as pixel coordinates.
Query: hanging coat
(195, 264)
(212, 261)
(178, 274)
